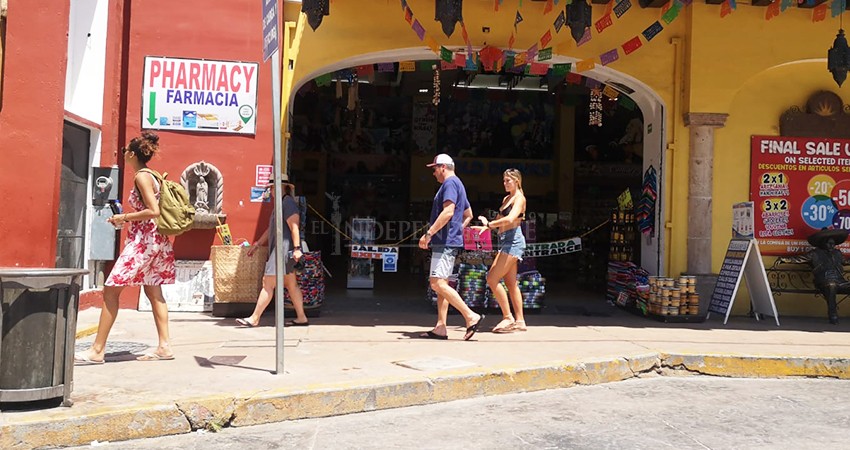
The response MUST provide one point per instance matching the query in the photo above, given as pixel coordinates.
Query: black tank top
(507, 210)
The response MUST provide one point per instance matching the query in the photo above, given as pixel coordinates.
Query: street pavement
(367, 356)
(673, 412)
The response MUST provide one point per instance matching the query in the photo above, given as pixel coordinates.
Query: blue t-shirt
(451, 235)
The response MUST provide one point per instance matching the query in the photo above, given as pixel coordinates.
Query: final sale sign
(799, 186)
(199, 95)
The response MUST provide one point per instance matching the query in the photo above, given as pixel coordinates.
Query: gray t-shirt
(290, 208)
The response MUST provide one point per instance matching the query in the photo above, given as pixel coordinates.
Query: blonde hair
(516, 175)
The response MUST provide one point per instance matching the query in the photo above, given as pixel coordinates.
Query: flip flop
(81, 359)
(470, 331)
(292, 323)
(246, 323)
(154, 357)
(431, 335)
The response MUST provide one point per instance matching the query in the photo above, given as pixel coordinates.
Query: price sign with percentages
(798, 186)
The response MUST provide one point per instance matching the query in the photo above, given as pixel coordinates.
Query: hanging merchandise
(595, 107)
(315, 10)
(353, 90)
(436, 99)
(646, 205)
(448, 13)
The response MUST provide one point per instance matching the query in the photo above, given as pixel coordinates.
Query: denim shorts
(512, 242)
(443, 261)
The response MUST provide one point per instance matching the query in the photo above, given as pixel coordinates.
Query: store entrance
(361, 139)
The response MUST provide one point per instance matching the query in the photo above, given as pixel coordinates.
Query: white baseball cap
(442, 158)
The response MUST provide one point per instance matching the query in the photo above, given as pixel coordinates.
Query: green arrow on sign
(152, 109)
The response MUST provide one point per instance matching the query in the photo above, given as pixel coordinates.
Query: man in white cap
(450, 213)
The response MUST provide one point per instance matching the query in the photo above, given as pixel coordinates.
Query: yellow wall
(742, 65)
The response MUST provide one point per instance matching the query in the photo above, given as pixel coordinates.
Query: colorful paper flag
(622, 7)
(562, 69)
(819, 13)
(772, 11)
(425, 66)
(511, 41)
(610, 92)
(408, 16)
(447, 65)
(609, 57)
(549, 7)
(520, 59)
(573, 78)
(498, 4)
(323, 80)
(838, 7)
(460, 59)
(417, 27)
(592, 84)
(538, 69)
(584, 65)
(546, 38)
(725, 8)
(432, 44)
(604, 23)
(627, 102)
(386, 67)
(786, 4)
(632, 45)
(407, 66)
(609, 8)
(672, 13)
(518, 19)
(365, 70)
(652, 31)
(446, 54)
(560, 21)
(471, 63)
(532, 52)
(545, 54)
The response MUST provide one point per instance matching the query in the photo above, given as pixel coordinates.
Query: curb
(254, 408)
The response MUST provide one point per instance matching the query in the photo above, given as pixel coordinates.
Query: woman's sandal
(470, 330)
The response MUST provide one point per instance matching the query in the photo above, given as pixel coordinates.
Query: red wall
(214, 30)
(31, 119)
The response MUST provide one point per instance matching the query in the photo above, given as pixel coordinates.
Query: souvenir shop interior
(361, 138)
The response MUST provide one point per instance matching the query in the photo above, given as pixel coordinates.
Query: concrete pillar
(700, 183)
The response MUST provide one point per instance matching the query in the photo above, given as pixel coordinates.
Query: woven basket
(237, 277)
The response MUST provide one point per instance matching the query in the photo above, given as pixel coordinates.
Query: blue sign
(270, 34)
(390, 262)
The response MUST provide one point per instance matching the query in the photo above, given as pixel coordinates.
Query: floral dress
(148, 257)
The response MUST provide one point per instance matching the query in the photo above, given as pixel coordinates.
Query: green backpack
(176, 215)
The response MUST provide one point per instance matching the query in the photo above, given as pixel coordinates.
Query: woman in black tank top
(511, 247)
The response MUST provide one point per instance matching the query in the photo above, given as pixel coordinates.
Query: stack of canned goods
(673, 297)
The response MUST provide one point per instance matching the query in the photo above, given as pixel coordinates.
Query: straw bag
(237, 277)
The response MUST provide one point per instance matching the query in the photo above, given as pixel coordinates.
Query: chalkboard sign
(742, 260)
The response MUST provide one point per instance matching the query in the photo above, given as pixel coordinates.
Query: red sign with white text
(799, 186)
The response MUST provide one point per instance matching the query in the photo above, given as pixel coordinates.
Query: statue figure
(827, 267)
(202, 189)
(336, 218)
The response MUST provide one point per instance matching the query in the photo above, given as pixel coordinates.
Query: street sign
(270, 34)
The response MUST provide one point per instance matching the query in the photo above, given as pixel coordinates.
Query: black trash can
(38, 321)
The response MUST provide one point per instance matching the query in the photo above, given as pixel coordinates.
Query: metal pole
(278, 216)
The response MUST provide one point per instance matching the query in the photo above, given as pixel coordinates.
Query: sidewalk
(359, 360)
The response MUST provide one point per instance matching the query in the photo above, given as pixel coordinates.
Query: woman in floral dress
(147, 259)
